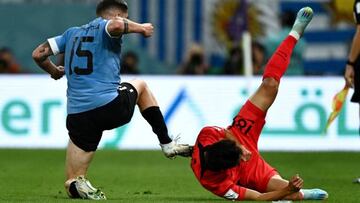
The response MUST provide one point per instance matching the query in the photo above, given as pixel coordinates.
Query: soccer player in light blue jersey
(96, 99)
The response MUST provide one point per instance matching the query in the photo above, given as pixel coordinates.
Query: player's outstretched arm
(295, 184)
(121, 26)
(41, 57)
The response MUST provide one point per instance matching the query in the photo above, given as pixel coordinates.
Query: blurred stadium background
(199, 64)
(202, 63)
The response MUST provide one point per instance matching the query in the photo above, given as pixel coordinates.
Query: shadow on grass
(166, 199)
(147, 198)
(192, 199)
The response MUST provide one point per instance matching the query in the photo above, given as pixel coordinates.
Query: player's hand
(148, 29)
(58, 73)
(349, 76)
(296, 183)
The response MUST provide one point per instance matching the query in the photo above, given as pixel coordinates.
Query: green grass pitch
(146, 176)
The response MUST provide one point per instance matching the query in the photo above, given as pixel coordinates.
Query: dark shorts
(356, 96)
(86, 128)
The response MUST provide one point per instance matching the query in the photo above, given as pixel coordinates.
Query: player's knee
(270, 84)
(144, 87)
(144, 84)
(140, 85)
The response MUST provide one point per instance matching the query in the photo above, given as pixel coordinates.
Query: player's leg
(77, 164)
(278, 183)
(151, 112)
(77, 161)
(278, 63)
(85, 137)
(357, 180)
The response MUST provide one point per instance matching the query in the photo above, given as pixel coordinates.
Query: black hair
(5, 50)
(222, 155)
(258, 45)
(196, 59)
(106, 4)
(130, 54)
(3, 64)
(235, 50)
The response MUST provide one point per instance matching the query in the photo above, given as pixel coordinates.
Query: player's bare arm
(120, 26)
(41, 57)
(354, 53)
(294, 186)
(60, 60)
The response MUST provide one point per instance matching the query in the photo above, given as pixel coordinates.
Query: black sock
(155, 118)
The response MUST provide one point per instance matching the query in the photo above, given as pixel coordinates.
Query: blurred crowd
(8, 63)
(195, 60)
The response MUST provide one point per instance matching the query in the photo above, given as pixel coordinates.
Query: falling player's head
(112, 8)
(222, 155)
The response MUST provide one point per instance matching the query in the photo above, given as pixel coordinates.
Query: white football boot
(303, 18)
(174, 149)
(87, 191)
(314, 194)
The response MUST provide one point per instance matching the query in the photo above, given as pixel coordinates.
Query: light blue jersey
(92, 65)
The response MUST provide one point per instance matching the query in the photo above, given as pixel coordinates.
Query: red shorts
(263, 173)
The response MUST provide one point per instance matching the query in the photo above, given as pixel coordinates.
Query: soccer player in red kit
(227, 161)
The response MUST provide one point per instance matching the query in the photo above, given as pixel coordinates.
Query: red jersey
(253, 174)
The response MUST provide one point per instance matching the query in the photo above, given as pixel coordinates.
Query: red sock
(280, 60)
